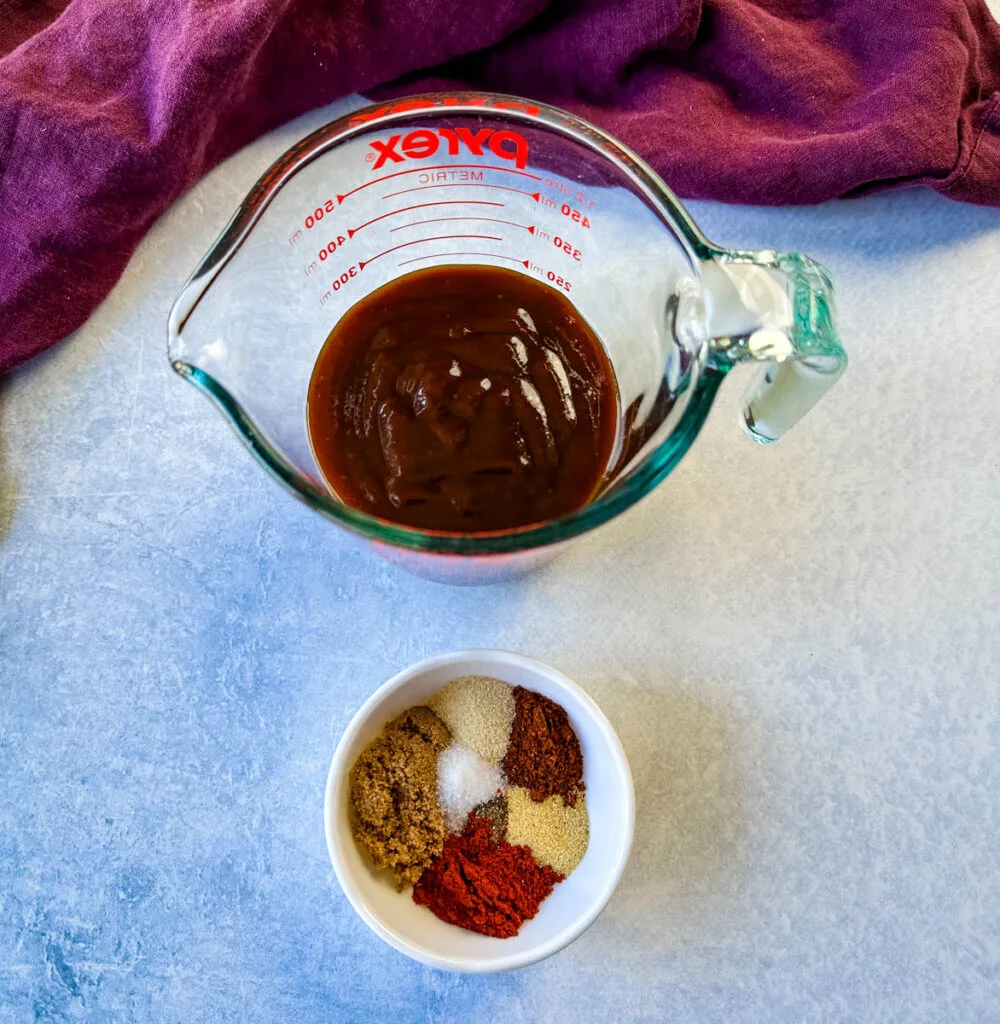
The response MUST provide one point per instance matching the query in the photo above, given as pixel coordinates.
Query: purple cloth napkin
(110, 110)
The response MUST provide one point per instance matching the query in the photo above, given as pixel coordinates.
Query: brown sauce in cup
(463, 399)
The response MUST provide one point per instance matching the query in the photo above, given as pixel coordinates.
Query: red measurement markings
(331, 247)
(575, 215)
(437, 238)
(339, 282)
(351, 232)
(466, 184)
(568, 248)
(567, 190)
(437, 167)
(318, 214)
(560, 282)
(441, 255)
(551, 276)
(530, 228)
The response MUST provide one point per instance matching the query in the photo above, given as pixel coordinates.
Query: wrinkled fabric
(109, 111)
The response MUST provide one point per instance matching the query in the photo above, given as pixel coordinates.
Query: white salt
(465, 781)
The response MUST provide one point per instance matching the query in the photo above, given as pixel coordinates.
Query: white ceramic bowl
(574, 903)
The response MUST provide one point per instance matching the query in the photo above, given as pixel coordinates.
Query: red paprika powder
(485, 887)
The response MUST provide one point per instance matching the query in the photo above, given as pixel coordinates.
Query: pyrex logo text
(422, 143)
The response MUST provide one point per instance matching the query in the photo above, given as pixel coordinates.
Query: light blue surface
(799, 647)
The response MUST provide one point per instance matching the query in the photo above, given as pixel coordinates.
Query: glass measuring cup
(495, 180)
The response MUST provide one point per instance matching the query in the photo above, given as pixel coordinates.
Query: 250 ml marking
(551, 276)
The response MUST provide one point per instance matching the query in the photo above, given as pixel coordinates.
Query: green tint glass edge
(654, 470)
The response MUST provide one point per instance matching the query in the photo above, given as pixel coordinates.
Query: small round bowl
(574, 903)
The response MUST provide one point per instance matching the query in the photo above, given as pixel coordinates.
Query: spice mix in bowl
(476, 799)
(459, 811)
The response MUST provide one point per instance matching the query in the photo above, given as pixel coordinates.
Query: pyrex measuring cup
(488, 179)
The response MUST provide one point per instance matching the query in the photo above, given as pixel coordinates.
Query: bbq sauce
(463, 399)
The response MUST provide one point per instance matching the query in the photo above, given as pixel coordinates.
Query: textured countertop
(800, 648)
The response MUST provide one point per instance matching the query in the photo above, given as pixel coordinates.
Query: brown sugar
(544, 754)
(394, 795)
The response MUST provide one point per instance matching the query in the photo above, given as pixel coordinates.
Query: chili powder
(484, 887)
(544, 753)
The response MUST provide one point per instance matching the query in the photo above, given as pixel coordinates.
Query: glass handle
(776, 310)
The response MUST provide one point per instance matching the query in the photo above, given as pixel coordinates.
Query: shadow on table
(8, 485)
(684, 754)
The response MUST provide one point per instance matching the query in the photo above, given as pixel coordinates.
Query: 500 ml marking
(312, 220)
(319, 213)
